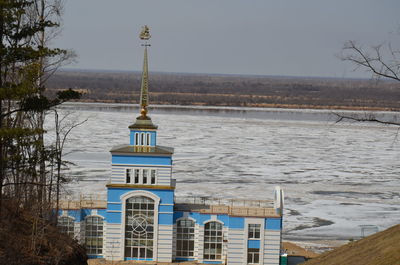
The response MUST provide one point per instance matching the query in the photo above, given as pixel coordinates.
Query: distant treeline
(231, 90)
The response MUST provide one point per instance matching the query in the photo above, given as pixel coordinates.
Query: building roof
(143, 150)
(144, 123)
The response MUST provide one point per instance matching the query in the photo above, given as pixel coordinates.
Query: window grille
(139, 227)
(253, 256)
(254, 231)
(145, 175)
(213, 241)
(137, 175)
(66, 225)
(185, 238)
(94, 235)
(128, 175)
(153, 176)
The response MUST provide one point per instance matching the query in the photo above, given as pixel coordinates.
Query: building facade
(142, 219)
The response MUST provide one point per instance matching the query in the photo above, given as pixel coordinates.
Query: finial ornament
(145, 33)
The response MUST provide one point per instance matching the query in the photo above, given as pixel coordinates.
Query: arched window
(185, 238)
(213, 241)
(136, 138)
(94, 235)
(142, 139)
(66, 225)
(147, 138)
(139, 227)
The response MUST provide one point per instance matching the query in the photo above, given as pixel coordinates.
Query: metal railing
(235, 207)
(225, 202)
(79, 201)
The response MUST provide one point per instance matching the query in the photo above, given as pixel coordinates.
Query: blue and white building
(142, 219)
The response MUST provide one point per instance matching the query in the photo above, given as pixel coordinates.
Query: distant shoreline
(231, 91)
(248, 106)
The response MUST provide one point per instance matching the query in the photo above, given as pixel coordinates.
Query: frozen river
(336, 176)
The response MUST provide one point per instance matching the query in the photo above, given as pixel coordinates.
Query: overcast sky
(263, 37)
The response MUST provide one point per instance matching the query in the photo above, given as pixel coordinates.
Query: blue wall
(81, 214)
(166, 196)
(273, 224)
(141, 160)
(114, 211)
(253, 243)
(236, 222)
(229, 221)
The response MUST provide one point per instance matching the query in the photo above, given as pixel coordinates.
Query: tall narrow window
(66, 225)
(153, 176)
(137, 175)
(185, 238)
(139, 228)
(147, 138)
(94, 235)
(136, 138)
(142, 139)
(213, 241)
(254, 231)
(145, 175)
(128, 175)
(253, 256)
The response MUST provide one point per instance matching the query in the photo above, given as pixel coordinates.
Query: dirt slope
(382, 248)
(26, 239)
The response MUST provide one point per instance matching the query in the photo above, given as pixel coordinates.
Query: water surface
(336, 176)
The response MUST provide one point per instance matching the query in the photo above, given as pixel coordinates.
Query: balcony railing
(234, 207)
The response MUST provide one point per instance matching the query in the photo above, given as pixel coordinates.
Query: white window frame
(136, 176)
(128, 175)
(252, 256)
(252, 229)
(143, 139)
(132, 178)
(261, 222)
(68, 229)
(156, 199)
(148, 139)
(136, 138)
(210, 242)
(194, 236)
(103, 230)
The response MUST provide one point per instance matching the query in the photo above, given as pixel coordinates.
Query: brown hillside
(27, 239)
(382, 248)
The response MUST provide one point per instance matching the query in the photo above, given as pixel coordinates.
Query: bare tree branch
(366, 118)
(374, 63)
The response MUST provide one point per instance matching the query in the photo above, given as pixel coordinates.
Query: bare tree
(382, 61)
(63, 128)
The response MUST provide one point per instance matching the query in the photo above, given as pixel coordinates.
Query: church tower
(140, 194)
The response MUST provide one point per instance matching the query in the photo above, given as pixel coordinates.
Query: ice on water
(336, 176)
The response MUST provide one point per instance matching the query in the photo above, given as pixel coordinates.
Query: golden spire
(144, 121)
(144, 89)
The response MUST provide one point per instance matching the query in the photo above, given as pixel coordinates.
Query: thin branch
(341, 117)
(362, 59)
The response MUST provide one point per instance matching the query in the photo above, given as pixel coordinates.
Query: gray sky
(264, 37)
